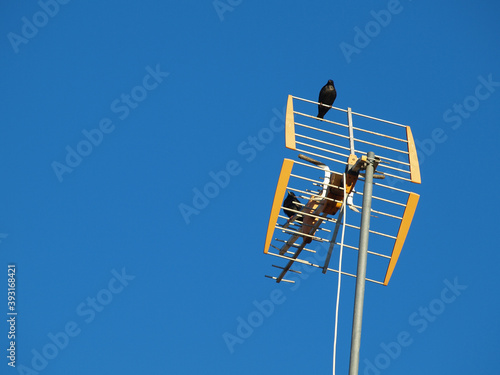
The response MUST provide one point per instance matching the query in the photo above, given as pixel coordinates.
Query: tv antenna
(334, 158)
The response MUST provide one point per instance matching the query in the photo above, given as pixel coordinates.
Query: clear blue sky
(115, 114)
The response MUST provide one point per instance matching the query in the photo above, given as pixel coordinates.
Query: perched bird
(291, 203)
(327, 96)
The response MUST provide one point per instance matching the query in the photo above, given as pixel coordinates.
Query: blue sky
(115, 114)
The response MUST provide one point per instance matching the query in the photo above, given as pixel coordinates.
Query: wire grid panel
(288, 237)
(330, 139)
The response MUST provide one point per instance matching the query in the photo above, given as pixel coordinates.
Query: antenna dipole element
(361, 272)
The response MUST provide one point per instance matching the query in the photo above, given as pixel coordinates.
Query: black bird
(291, 203)
(327, 96)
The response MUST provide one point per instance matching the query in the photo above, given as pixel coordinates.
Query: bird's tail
(320, 115)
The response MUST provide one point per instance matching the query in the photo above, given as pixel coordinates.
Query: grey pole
(361, 273)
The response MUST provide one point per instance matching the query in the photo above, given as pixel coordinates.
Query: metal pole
(361, 273)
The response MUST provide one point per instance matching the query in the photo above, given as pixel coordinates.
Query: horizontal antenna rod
(379, 119)
(322, 131)
(321, 149)
(275, 278)
(323, 142)
(318, 266)
(321, 156)
(380, 134)
(381, 146)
